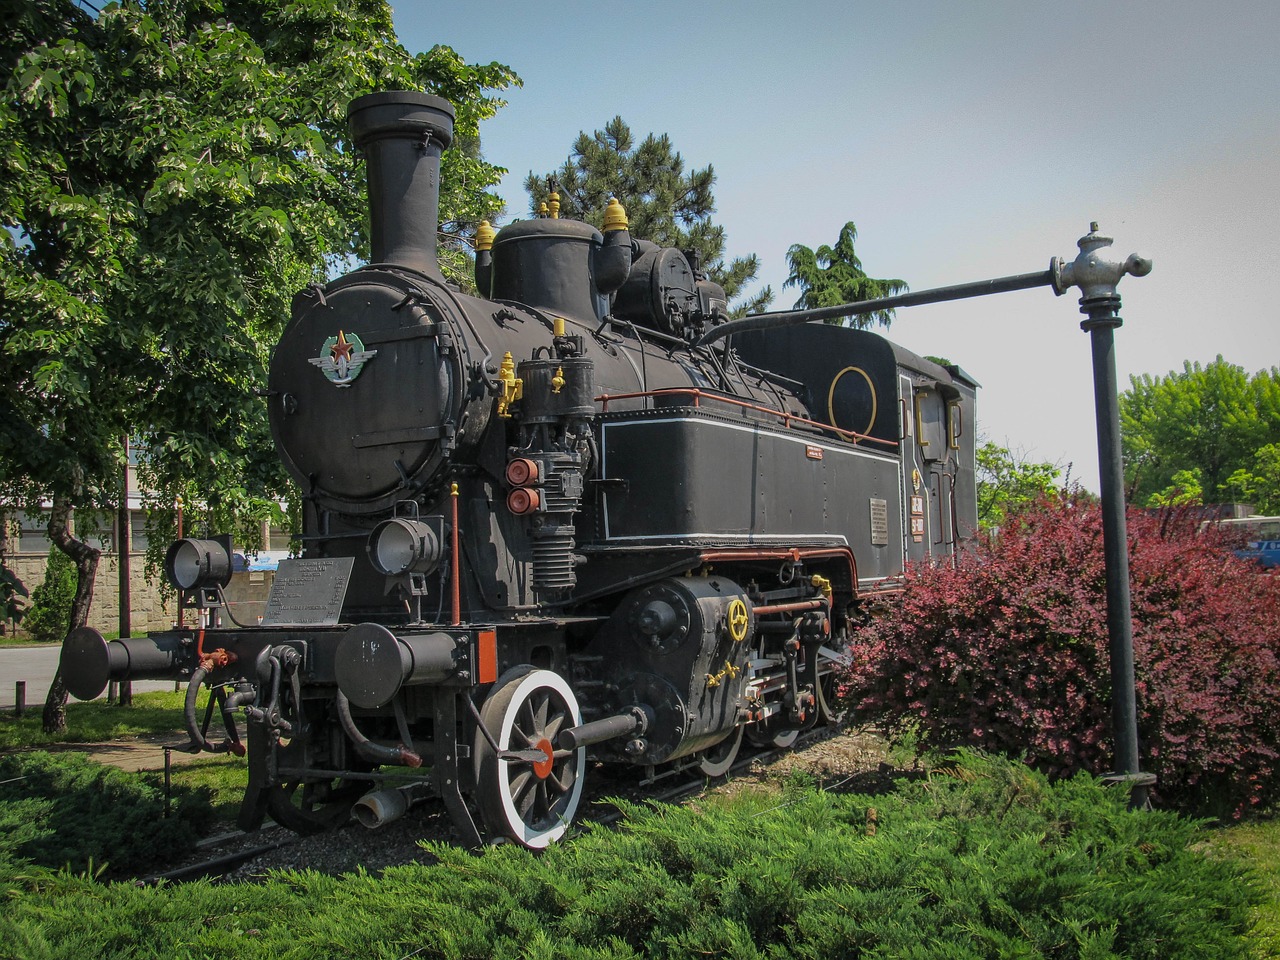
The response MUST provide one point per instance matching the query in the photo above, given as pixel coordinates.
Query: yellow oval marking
(831, 397)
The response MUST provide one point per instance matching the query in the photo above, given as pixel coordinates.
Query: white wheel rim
(529, 834)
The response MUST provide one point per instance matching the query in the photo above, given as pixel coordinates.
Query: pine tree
(664, 203)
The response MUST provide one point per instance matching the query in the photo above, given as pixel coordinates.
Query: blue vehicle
(1264, 539)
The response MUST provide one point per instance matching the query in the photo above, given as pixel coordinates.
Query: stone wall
(246, 594)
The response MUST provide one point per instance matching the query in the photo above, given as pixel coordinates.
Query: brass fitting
(615, 217)
(512, 386)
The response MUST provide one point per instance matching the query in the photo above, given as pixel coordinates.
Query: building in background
(25, 551)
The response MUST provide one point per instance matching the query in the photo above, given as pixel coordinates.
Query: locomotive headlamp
(402, 545)
(193, 564)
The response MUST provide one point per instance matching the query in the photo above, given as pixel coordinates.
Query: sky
(967, 141)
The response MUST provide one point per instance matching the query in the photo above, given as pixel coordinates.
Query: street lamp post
(1096, 272)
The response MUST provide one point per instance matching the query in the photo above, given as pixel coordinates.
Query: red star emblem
(342, 349)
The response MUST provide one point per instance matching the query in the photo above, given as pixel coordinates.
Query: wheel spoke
(553, 725)
(521, 785)
(540, 711)
(562, 784)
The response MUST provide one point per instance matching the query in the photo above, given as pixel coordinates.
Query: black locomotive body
(541, 529)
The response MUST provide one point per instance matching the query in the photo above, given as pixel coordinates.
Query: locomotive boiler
(542, 528)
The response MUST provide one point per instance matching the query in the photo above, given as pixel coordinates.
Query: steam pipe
(373, 752)
(380, 807)
(232, 743)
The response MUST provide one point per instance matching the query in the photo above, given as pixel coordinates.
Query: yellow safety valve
(557, 381)
(615, 216)
(822, 583)
(553, 202)
(484, 236)
(512, 386)
(542, 209)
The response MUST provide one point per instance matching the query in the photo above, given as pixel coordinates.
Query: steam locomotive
(543, 527)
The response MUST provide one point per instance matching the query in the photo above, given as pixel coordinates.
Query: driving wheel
(528, 789)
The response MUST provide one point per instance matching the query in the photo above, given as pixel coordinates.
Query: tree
(171, 172)
(1259, 483)
(47, 620)
(1184, 491)
(1009, 483)
(664, 204)
(1208, 421)
(830, 276)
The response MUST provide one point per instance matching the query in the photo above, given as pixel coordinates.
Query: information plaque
(879, 522)
(308, 593)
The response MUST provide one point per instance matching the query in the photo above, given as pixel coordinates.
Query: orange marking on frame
(487, 651)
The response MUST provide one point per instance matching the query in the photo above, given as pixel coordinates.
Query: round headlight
(190, 564)
(399, 546)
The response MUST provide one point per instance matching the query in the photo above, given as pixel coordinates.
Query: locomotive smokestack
(402, 134)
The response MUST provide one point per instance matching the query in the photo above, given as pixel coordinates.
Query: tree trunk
(85, 558)
(4, 566)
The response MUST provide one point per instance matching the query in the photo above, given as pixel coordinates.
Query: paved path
(36, 665)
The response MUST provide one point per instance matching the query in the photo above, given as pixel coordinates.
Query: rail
(787, 418)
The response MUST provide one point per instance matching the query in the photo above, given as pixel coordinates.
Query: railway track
(241, 857)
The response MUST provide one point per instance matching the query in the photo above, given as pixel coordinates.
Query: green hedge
(986, 860)
(64, 810)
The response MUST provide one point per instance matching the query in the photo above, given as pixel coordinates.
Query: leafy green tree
(1211, 421)
(1009, 483)
(49, 618)
(664, 203)
(830, 276)
(171, 172)
(1259, 483)
(1184, 491)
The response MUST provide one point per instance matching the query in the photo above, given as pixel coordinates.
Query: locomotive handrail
(786, 418)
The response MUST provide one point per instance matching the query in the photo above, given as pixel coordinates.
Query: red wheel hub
(543, 767)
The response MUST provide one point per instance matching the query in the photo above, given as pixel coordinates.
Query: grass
(986, 861)
(157, 713)
(13, 640)
(222, 775)
(153, 714)
(1257, 845)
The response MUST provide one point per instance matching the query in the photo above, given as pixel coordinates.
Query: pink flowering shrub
(1008, 652)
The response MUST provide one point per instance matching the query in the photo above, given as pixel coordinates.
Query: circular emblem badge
(342, 358)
